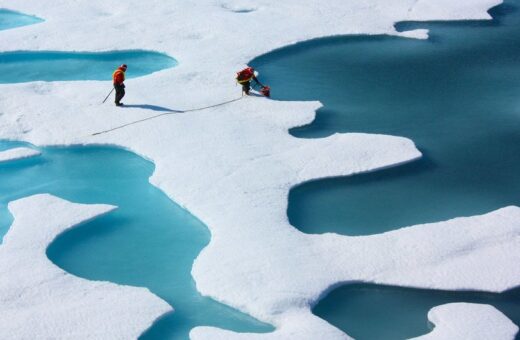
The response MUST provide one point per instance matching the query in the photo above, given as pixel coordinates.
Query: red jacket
(245, 75)
(119, 76)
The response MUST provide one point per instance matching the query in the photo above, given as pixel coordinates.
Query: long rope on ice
(166, 113)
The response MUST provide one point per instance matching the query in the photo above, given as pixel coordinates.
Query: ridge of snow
(17, 154)
(469, 321)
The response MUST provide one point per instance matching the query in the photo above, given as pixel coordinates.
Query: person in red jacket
(119, 78)
(244, 78)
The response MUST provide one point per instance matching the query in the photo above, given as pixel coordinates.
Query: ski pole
(108, 96)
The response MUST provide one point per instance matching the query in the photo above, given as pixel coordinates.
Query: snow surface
(232, 166)
(17, 153)
(470, 322)
(40, 301)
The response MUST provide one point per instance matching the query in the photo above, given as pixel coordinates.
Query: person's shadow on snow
(151, 107)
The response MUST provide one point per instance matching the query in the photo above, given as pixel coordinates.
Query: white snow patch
(423, 10)
(38, 300)
(466, 253)
(17, 154)
(415, 34)
(469, 321)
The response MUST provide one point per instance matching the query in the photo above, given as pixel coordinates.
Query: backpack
(245, 75)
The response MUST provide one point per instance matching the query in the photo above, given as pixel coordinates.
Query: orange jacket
(119, 76)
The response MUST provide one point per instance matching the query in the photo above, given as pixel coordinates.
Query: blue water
(11, 19)
(386, 313)
(149, 241)
(25, 66)
(457, 96)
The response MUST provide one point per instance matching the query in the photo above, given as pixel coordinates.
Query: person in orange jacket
(119, 78)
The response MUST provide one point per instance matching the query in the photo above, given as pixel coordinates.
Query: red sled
(266, 91)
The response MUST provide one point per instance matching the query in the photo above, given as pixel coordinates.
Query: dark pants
(120, 92)
(246, 87)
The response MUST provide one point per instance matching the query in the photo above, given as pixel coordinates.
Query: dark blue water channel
(26, 66)
(11, 19)
(148, 242)
(377, 312)
(457, 96)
